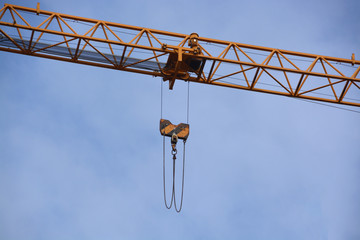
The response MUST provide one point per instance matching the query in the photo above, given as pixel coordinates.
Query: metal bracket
(38, 8)
(353, 59)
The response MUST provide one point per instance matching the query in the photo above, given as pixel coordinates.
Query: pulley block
(184, 62)
(168, 129)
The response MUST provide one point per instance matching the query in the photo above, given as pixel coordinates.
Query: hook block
(182, 130)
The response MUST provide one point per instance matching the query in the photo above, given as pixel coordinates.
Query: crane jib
(175, 56)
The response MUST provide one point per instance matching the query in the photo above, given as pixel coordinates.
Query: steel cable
(182, 184)
(173, 194)
(164, 180)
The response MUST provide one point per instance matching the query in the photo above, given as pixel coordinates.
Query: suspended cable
(176, 133)
(164, 180)
(188, 102)
(328, 105)
(161, 98)
(182, 183)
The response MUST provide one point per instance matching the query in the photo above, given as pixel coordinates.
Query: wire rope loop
(164, 181)
(173, 194)
(178, 210)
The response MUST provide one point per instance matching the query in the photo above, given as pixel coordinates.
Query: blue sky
(81, 153)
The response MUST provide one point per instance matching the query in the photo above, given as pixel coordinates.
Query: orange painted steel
(164, 54)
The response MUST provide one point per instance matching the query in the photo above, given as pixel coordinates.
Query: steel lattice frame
(145, 51)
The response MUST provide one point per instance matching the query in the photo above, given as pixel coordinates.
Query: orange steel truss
(116, 46)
